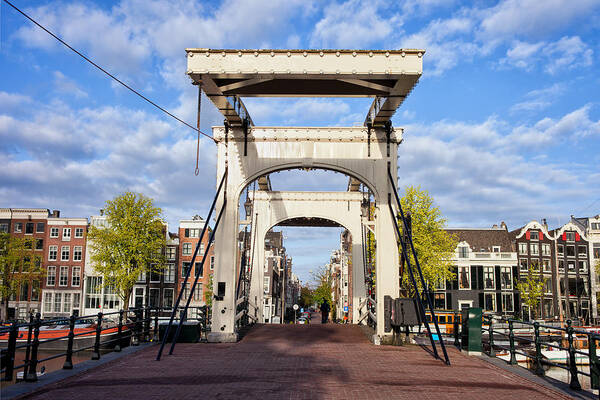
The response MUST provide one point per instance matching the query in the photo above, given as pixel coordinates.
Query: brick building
(65, 250)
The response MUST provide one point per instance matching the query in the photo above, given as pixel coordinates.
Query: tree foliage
(531, 289)
(19, 265)
(324, 285)
(208, 293)
(306, 297)
(131, 243)
(434, 246)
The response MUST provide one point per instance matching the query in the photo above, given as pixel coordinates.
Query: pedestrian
(324, 312)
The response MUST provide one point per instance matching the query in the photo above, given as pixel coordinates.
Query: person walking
(325, 311)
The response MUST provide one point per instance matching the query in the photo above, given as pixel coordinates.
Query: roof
(485, 239)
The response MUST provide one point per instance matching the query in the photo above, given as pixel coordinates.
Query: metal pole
(69, 357)
(511, 340)
(574, 383)
(119, 333)
(492, 352)
(96, 353)
(31, 375)
(538, 350)
(12, 343)
(187, 275)
(594, 371)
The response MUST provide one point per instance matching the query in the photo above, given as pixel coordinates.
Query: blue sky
(503, 125)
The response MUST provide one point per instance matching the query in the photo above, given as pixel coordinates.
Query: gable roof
(485, 239)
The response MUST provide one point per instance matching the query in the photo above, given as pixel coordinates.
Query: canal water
(51, 365)
(564, 376)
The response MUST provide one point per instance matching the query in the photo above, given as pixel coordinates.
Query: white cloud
(65, 85)
(354, 24)
(12, 100)
(563, 54)
(539, 99)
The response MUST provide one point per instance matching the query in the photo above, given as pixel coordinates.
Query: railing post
(12, 344)
(156, 310)
(492, 352)
(456, 326)
(29, 338)
(31, 375)
(146, 313)
(69, 356)
(538, 350)
(594, 372)
(119, 333)
(574, 383)
(511, 339)
(96, 353)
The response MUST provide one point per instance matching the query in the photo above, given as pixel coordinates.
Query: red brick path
(296, 362)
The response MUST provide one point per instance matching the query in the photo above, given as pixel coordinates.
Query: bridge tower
(246, 152)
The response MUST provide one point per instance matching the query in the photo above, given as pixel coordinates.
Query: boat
(54, 335)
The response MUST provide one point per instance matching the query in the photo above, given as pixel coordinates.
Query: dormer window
(534, 235)
(570, 236)
(496, 249)
(463, 252)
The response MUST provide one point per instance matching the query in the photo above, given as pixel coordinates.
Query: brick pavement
(296, 362)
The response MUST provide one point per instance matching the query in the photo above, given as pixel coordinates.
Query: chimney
(503, 226)
(495, 226)
(55, 213)
(101, 211)
(545, 223)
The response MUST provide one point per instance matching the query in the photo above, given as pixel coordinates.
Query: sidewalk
(296, 362)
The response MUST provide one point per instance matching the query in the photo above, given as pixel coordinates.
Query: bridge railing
(101, 331)
(528, 339)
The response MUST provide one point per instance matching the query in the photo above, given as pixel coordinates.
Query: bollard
(538, 350)
(119, 333)
(574, 384)
(31, 372)
(12, 343)
(511, 339)
(96, 353)
(69, 357)
(594, 371)
(456, 326)
(492, 352)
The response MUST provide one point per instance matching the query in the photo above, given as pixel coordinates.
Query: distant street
(316, 361)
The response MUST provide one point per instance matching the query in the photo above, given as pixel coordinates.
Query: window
(570, 236)
(78, 232)
(111, 300)
(24, 292)
(142, 276)
(63, 279)
(535, 264)
(53, 232)
(463, 252)
(582, 250)
(496, 249)
(507, 302)
(547, 285)
(51, 277)
(77, 253)
(488, 278)
(595, 226)
(561, 249)
(185, 268)
(4, 227)
(545, 249)
(596, 250)
(76, 276)
(18, 227)
(154, 297)
(490, 301)
(65, 253)
(39, 244)
(201, 248)
(582, 267)
(52, 253)
(441, 284)
(57, 301)
(546, 267)
(167, 298)
(93, 291)
(35, 291)
(67, 303)
(39, 227)
(522, 248)
(266, 283)
(198, 292)
(561, 266)
(506, 277)
(66, 234)
(523, 265)
(192, 232)
(439, 301)
(170, 273)
(212, 262)
(199, 271)
(570, 251)
(187, 249)
(154, 276)
(534, 249)
(76, 301)
(463, 278)
(48, 302)
(533, 235)
(29, 228)
(171, 253)
(571, 265)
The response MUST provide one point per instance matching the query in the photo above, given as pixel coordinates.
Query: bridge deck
(295, 362)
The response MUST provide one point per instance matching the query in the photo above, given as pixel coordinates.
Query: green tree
(19, 267)
(208, 293)
(306, 297)
(131, 243)
(324, 285)
(434, 246)
(531, 289)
